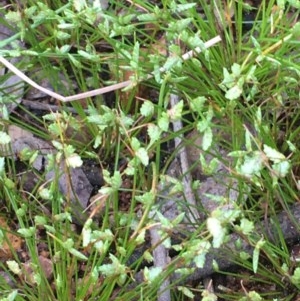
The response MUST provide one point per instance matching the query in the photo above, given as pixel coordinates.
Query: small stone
(15, 242)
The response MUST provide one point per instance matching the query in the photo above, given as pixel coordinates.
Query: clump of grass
(247, 85)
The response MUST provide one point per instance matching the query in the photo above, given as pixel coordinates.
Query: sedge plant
(247, 85)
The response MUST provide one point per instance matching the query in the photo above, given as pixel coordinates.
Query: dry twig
(99, 91)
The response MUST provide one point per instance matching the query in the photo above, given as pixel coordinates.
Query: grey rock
(57, 83)
(11, 86)
(7, 279)
(219, 184)
(73, 183)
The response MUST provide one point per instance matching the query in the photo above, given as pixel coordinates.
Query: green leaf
(57, 145)
(140, 238)
(115, 181)
(244, 256)
(113, 269)
(252, 165)
(296, 276)
(245, 227)
(147, 199)
(55, 129)
(3, 109)
(1, 238)
(197, 103)
(209, 169)
(130, 169)
(182, 7)
(202, 248)
(29, 12)
(178, 219)
(33, 157)
(165, 222)
(27, 232)
(273, 154)
(224, 216)
(9, 183)
(4, 138)
(215, 266)
(121, 30)
(150, 274)
(121, 250)
(14, 17)
(250, 76)
(134, 62)
(281, 169)
(208, 296)
(296, 30)
(135, 144)
(294, 3)
(252, 296)
(61, 35)
(171, 62)
(147, 256)
(102, 240)
(14, 267)
(248, 140)
(77, 254)
(21, 211)
(207, 139)
(256, 251)
(66, 26)
(62, 217)
(186, 291)
(285, 269)
(63, 49)
(258, 118)
(237, 154)
(94, 275)
(68, 244)
(175, 113)
(236, 70)
(142, 154)
(176, 187)
(147, 17)
(11, 296)
(216, 229)
(76, 63)
(228, 81)
(292, 146)
(164, 121)
(86, 232)
(180, 24)
(154, 132)
(98, 141)
(281, 4)
(91, 57)
(74, 160)
(147, 109)
(50, 229)
(256, 45)
(234, 93)
(2, 165)
(79, 5)
(40, 220)
(185, 271)
(202, 125)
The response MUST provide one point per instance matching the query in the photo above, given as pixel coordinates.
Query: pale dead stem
(99, 91)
